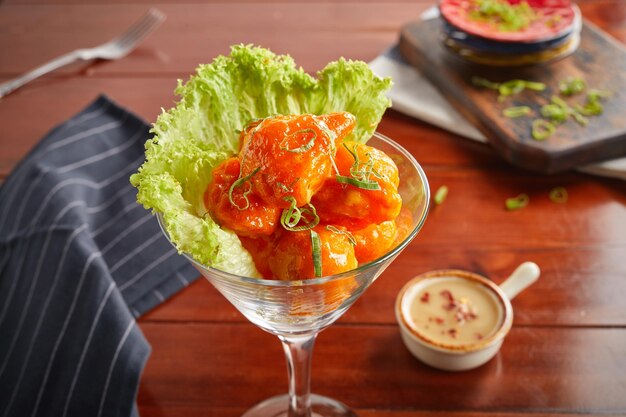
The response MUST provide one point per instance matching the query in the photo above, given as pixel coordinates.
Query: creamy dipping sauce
(453, 311)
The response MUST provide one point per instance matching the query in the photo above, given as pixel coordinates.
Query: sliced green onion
(441, 194)
(508, 88)
(558, 195)
(556, 100)
(591, 108)
(580, 119)
(512, 87)
(239, 183)
(518, 111)
(355, 156)
(554, 112)
(483, 82)
(534, 85)
(290, 217)
(316, 249)
(332, 136)
(542, 129)
(360, 175)
(304, 147)
(287, 188)
(595, 95)
(516, 203)
(572, 85)
(345, 233)
(365, 185)
(255, 125)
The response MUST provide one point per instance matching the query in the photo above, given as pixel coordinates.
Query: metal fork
(114, 49)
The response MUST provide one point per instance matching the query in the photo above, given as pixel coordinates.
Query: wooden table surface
(566, 353)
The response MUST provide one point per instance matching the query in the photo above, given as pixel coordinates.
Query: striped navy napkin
(79, 261)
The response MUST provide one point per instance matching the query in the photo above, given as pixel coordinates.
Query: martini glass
(296, 311)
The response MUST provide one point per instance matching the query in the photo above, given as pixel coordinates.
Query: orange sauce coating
(259, 218)
(353, 207)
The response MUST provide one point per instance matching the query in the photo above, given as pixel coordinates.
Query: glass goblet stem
(299, 352)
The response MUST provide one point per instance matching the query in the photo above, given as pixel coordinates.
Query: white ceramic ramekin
(464, 357)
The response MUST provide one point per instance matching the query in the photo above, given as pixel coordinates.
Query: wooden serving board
(600, 60)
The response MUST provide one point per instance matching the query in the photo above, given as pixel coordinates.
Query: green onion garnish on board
(516, 203)
(558, 195)
(511, 87)
(595, 95)
(554, 112)
(580, 119)
(534, 85)
(517, 111)
(592, 106)
(316, 249)
(542, 129)
(508, 88)
(572, 85)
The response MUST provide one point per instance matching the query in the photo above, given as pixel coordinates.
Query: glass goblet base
(320, 407)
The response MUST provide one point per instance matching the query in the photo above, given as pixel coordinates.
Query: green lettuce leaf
(203, 129)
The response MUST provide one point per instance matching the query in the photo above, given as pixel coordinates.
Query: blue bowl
(483, 45)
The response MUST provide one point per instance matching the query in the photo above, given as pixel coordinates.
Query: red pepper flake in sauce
(452, 333)
(439, 320)
(479, 336)
(463, 312)
(425, 297)
(450, 301)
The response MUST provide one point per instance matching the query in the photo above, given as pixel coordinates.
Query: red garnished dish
(551, 19)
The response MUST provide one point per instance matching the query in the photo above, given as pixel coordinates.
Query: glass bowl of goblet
(296, 311)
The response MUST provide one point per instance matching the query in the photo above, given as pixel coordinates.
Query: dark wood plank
(599, 59)
(538, 370)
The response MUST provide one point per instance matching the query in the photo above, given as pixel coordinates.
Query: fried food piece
(374, 241)
(293, 155)
(292, 257)
(247, 214)
(353, 207)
